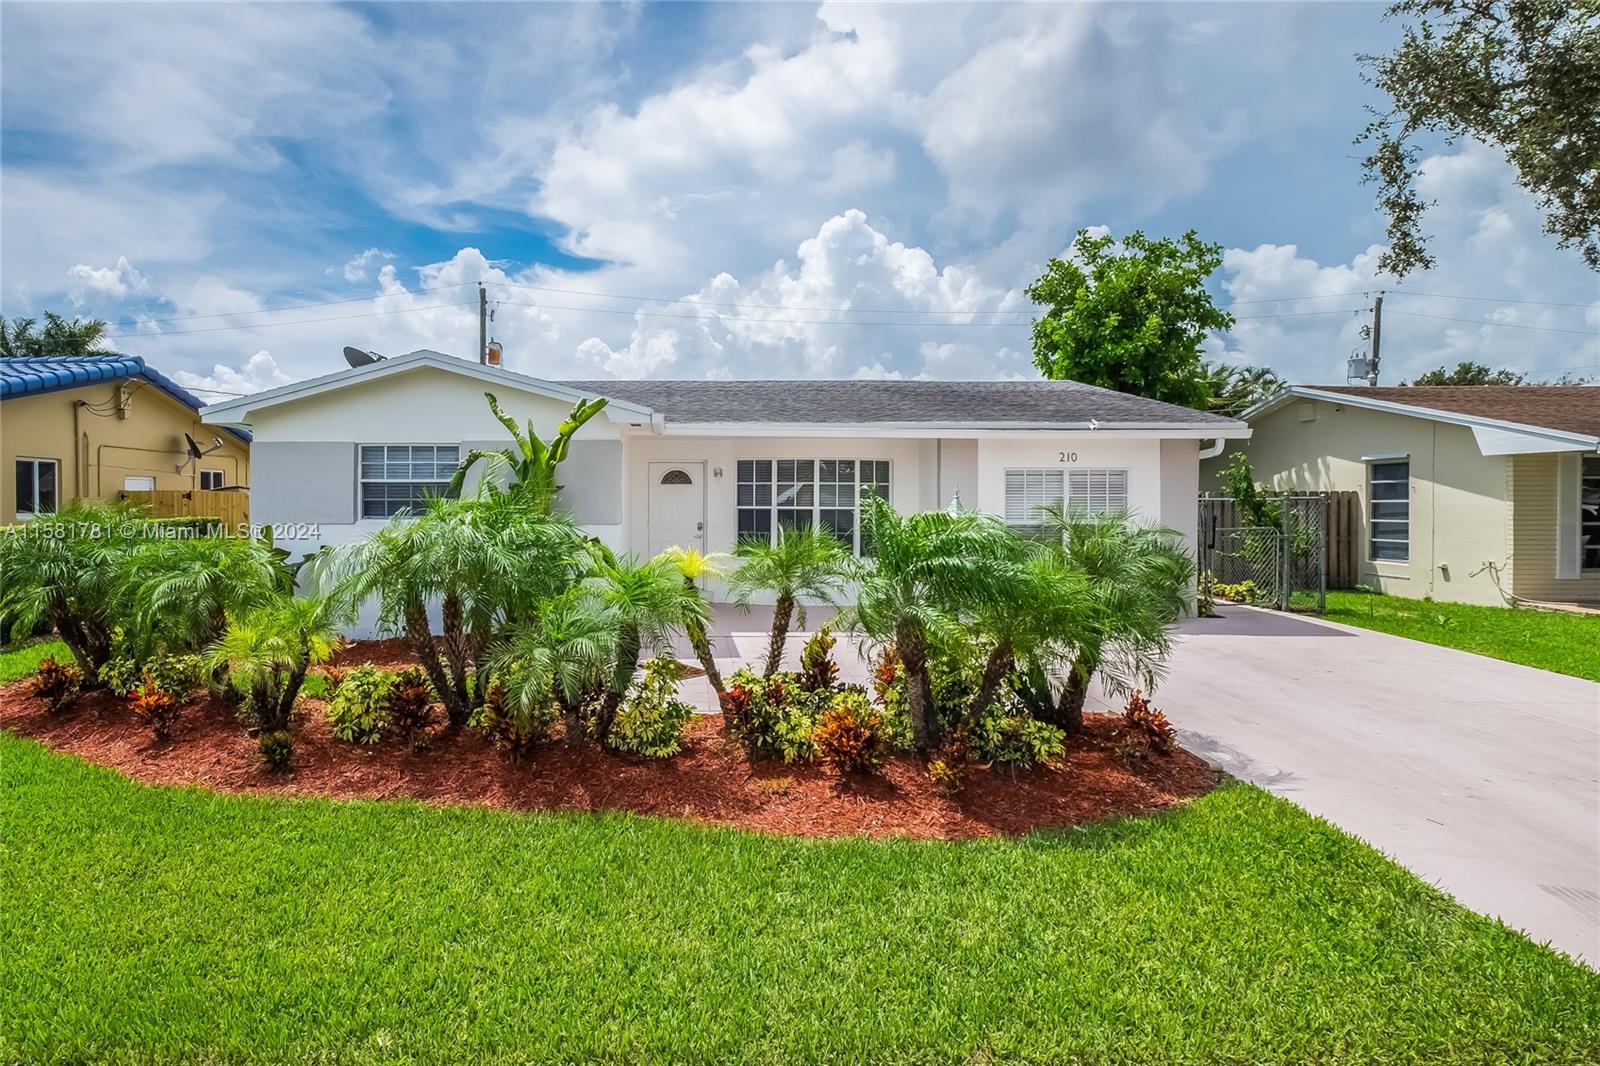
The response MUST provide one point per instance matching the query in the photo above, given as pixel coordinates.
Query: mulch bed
(711, 782)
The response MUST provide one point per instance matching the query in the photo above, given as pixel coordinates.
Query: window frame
(36, 462)
(221, 476)
(1588, 471)
(816, 507)
(1066, 475)
(1373, 519)
(362, 481)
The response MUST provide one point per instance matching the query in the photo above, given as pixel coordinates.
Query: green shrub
(276, 750)
(57, 683)
(121, 673)
(1000, 736)
(176, 675)
(512, 726)
(410, 706)
(817, 668)
(359, 711)
(157, 707)
(775, 716)
(650, 722)
(851, 735)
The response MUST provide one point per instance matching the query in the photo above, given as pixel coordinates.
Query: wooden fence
(231, 508)
(1342, 533)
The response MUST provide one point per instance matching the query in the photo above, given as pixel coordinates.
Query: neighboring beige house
(1468, 494)
(90, 427)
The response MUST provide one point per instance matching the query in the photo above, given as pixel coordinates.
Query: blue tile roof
(27, 375)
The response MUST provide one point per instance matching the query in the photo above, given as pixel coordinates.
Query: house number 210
(1069, 457)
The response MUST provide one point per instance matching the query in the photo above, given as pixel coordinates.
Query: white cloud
(257, 373)
(355, 268)
(86, 283)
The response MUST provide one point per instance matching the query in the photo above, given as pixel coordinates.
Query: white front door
(677, 506)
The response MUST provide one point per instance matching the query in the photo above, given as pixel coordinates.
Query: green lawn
(166, 925)
(1565, 643)
(22, 660)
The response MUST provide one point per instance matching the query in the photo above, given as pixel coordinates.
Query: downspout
(1214, 449)
(77, 452)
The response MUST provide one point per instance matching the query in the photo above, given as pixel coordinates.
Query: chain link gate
(1283, 564)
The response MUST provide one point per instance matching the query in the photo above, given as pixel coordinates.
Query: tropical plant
(651, 720)
(531, 463)
(267, 652)
(56, 683)
(64, 572)
(563, 656)
(648, 602)
(180, 590)
(1003, 736)
(276, 750)
(1149, 724)
(696, 567)
(851, 735)
(925, 570)
(60, 336)
(158, 707)
(773, 717)
(359, 710)
(800, 564)
(486, 561)
(1139, 582)
(410, 707)
(1040, 604)
(1236, 389)
(817, 668)
(1129, 315)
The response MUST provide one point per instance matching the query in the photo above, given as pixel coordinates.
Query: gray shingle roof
(990, 403)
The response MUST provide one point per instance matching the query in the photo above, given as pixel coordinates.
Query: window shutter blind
(1567, 486)
(1029, 490)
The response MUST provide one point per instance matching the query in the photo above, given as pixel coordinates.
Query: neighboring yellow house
(91, 427)
(1472, 494)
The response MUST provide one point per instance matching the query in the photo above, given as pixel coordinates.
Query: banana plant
(532, 462)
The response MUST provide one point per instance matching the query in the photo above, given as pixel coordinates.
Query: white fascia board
(1495, 436)
(238, 411)
(957, 430)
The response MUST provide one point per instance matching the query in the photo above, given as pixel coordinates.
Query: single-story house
(94, 426)
(1472, 494)
(704, 463)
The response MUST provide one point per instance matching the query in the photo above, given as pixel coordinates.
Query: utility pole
(1377, 340)
(483, 323)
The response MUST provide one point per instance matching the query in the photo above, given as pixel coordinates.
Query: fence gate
(1274, 557)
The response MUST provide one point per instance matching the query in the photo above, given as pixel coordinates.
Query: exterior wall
(306, 452)
(1140, 457)
(1460, 499)
(96, 447)
(1534, 537)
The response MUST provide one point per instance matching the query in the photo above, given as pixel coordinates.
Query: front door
(677, 514)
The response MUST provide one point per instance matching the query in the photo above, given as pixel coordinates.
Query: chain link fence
(1277, 557)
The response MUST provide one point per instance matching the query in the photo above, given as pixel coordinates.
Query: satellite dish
(356, 357)
(194, 449)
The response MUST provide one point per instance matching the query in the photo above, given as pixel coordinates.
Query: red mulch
(709, 782)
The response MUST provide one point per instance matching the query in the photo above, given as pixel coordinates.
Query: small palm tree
(1139, 582)
(268, 650)
(800, 564)
(1040, 603)
(925, 571)
(532, 463)
(564, 656)
(649, 602)
(64, 573)
(181, 590)
(696, 566)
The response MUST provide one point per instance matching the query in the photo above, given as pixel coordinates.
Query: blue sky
(725, 190)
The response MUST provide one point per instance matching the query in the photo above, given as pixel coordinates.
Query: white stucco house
(705, 463)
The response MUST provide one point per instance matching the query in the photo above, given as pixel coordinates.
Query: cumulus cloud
(355, 268)
(255, 374)
(86, 283)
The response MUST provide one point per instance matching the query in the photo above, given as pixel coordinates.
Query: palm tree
(801, 563)
(925, 570)
(64, 572)
(1235, 389)
(695, 567)
(649, 601)
(564, 656)
(180, 591)
(60, 336)
(1040, 603)
(485, 561)
(532, 462)
(1140, 581)
(267, 651)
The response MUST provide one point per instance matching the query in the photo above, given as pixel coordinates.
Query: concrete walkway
(1481, 776)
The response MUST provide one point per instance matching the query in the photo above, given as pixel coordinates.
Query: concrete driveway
(1480, 776)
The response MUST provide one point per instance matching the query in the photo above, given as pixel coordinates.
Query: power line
(758, 307)
(1486, 299)
(293, 307)
(1507, 325)
(292, 322)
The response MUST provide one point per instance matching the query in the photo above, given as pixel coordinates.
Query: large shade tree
(1130, 315)
(1520, 75)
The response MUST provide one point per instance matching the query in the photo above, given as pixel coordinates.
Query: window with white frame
(395, 478)
(1079, 490)
(1389, 510)
(211, 480)
(37, 481)
(1589, 513)
(828, 494)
